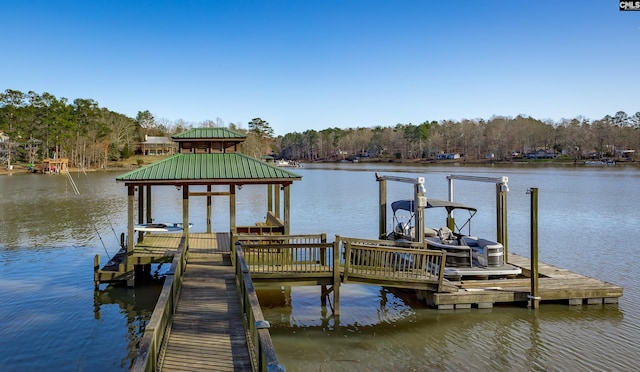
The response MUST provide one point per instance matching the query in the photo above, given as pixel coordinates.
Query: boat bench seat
(470, 241)
(430, 232)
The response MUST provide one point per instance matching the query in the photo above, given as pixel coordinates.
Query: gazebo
(206, 157)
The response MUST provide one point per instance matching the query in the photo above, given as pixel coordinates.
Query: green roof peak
(210, 134)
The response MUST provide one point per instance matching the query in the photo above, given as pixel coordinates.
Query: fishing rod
(77, 192)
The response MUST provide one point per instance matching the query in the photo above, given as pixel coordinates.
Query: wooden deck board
(554, 284)
(207, 333)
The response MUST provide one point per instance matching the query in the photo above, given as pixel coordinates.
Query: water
(53, 319)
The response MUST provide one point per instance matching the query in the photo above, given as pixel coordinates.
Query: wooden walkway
(207, 333)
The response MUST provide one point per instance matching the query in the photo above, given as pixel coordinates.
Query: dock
(208, 329)
(207, 317)
(207, 332)
(556, 285)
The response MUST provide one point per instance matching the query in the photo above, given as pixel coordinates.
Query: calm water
(53, 319)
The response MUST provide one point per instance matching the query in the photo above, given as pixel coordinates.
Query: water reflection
(384, 329)
(136, 304)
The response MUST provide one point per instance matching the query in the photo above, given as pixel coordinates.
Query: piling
(534, 297)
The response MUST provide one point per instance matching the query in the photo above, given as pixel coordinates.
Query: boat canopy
(408, 205)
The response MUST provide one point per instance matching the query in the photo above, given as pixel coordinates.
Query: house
(154, 145)
(5, 144)
(541, 154)
(447, 156)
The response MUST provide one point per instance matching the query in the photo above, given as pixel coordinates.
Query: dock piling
(534, 297)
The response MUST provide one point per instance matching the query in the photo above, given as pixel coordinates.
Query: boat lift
(420, 200)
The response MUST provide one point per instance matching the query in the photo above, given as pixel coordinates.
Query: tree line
(37, 126)
(498, 138)
(42, 126)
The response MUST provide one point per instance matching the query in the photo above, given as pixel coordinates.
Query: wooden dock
(154, 248)
(207, 332)
(555, 285)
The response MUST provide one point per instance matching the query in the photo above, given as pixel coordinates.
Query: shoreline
(119, 166)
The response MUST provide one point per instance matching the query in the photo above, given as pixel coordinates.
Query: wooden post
(276, 207)
(420, 202)
(382, 208)
(501, 216)
(185, 216)
(149, 215)
(450, 221)
(140, 211)
(336, 278)
(270, 198)
(208, 208)
(535, 299)
(130, 233)
(232, 207)
(287, 209)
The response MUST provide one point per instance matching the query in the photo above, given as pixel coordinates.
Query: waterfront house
(157, 145)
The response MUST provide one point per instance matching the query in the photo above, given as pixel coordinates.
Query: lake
(53, 319)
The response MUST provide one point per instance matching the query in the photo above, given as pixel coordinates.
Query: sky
(312, 65)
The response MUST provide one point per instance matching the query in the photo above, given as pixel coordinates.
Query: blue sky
(321, 64)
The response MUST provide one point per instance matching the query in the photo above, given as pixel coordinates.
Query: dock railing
(392, 263)
(261, 347)
(271, 239)
(156, 330)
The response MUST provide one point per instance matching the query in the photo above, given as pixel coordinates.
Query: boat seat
(446, 235)
(430, 232)
(405, 230)
(470, 241)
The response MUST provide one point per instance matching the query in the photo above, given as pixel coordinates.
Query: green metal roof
(210, 134)
(218, 168)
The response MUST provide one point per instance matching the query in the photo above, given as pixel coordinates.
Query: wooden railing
(392, 263)
(261, 348)
(254, 238)
(292, 261)
(156, 330)
(382, 262)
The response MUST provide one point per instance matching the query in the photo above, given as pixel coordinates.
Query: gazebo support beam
(140, 211)
(232, 207)
(149, 216)
(130, 233)
(276, 207)
(209, 208)
(287, 209)
(185, 215)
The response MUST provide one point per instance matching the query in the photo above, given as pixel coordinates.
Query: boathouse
(55, 165)
(206, 157)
